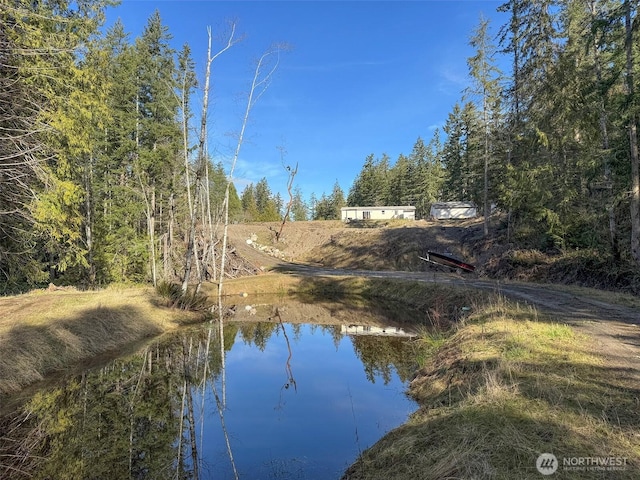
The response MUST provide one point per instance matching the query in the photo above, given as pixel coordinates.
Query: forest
(103, 180)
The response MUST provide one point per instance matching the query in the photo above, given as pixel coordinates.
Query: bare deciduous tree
(201, 164)
(265, 68)
(292, 175)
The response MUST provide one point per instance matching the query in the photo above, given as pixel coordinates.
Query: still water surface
(276, 400)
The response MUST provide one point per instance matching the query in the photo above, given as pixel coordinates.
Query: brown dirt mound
(393, 245)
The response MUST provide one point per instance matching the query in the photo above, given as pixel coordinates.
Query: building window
(366, 215)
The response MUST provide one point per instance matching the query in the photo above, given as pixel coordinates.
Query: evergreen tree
(313, 204)
(120, 244)
(235, 205)
(337, 201)
(328, 207)
(425, 173)
(158, 134)
(371, 187)
(266, 203)
(399, 182)
(435, 178)
(43, 67)
(249, 204)
(456, 185)
(21, 150)
(324, 209)
(486, 87)
(299, 209)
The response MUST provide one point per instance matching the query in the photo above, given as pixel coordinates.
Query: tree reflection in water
(143, 416)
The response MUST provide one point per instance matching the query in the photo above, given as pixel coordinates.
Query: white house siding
(378, 213)
(389, 331)
(453, 210)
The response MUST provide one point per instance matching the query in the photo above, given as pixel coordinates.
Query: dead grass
(42, 331)
(502, 389)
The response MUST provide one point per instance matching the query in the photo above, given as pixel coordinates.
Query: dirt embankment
(398, 246)
(376, 246)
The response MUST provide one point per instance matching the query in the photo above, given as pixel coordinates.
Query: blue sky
(362, 77)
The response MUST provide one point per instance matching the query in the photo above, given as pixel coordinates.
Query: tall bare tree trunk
(633, 139)
(168, 239)
(152, 235)
(88, 226)
(202, 161)
(292, 175)
(485, 188)
(198, 181)
(259, 84)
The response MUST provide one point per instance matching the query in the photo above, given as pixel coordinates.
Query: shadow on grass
(30, 352)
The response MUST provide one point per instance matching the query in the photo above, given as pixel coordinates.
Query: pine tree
(249, 204)
(65, 100)
(486, 87)
(266, 202)
(371, 187)
(299, 209)
(425, 175)
(120, 243)
(461, 179)
(435, 178)
(336, 201)
(399, 182)
(630, 18)
(361, 193)
(21, 153)
(158, 135)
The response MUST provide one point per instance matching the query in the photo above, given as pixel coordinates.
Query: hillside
(392, 245)
(397, 245)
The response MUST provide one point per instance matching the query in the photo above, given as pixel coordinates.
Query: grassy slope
(44, 331)
(505, 387)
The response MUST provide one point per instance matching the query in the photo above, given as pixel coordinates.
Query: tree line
(104, 181)
(103, 177)
(552, 142)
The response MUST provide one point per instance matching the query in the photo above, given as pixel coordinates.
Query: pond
(294, 391)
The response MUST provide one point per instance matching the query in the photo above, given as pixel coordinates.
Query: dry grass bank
(46, 331)
(505, 387)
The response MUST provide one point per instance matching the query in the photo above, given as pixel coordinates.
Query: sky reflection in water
(314, 429)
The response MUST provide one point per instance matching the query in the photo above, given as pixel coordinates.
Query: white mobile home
(377, 213)
(453, 210)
